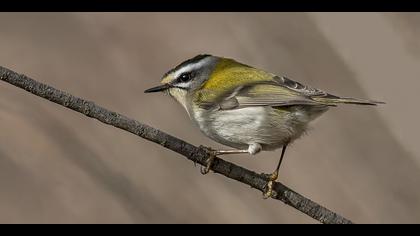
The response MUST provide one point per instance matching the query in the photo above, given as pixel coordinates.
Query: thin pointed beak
(159, 88)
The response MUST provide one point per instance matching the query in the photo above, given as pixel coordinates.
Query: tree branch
(191, 152)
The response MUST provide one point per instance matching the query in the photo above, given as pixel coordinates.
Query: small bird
(246, 108)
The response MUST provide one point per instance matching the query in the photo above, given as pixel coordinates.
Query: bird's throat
(180, 95)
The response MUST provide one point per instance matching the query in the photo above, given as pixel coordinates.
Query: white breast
(232, 124)
(237, 128)
(240, 128)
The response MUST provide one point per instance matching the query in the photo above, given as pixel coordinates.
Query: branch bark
(191, 152)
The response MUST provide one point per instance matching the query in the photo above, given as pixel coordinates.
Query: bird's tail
(333, 100)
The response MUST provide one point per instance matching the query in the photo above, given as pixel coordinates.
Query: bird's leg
(233, 151)
(269, 192)
(213, 153)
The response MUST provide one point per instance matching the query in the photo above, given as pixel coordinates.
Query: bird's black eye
(184, 77)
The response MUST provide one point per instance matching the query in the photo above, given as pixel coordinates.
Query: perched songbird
(244, 107)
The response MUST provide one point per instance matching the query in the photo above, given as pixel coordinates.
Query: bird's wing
(298, 87)
(279, 91)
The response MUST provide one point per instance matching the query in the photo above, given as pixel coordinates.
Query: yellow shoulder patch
(229, 74)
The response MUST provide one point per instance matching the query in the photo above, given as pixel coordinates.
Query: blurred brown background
(57, 166)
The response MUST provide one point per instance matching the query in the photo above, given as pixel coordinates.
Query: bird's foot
(212, 154)
(268, 189)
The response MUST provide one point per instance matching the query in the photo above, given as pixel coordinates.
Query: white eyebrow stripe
(184, 84)
(191, 67)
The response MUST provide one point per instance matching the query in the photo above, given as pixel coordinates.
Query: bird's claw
(268, 189)
(212, 154)
(269, 192)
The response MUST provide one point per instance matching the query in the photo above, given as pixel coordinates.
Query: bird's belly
(240, 128)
